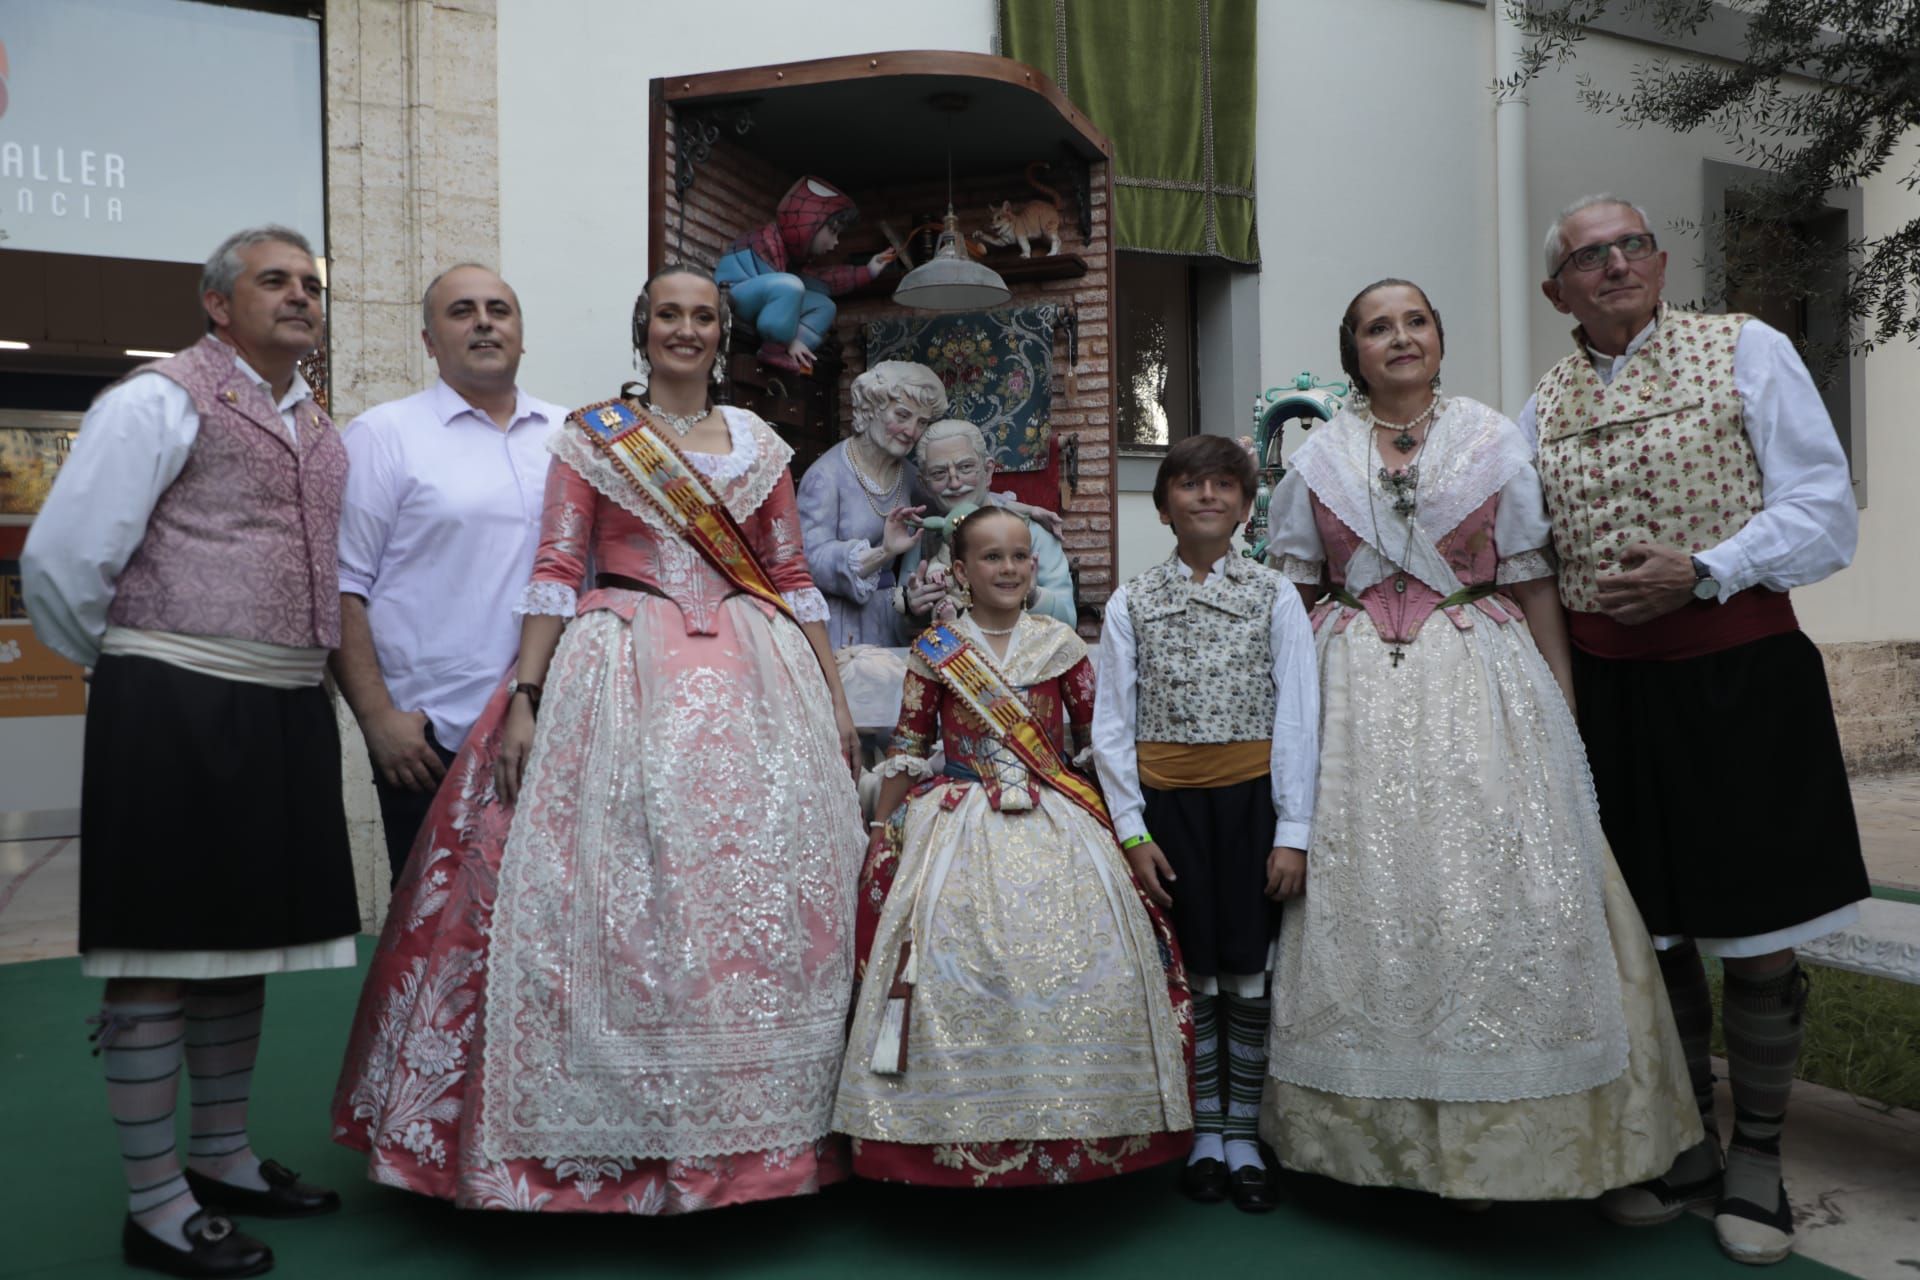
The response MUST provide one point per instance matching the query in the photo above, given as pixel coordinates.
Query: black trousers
(1217, 840)
(402, 809)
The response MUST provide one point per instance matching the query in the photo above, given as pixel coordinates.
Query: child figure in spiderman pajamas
(760, 269)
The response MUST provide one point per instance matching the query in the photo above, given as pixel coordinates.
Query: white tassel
(890, 1043)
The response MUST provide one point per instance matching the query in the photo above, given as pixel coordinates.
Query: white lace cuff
(1083, 757)
(808, 605)
(912, 766)
(1305, 572)
(1525, 567)
(856, 552)
(547, 600)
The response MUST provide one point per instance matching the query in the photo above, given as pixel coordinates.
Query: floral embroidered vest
(245, 543)
(1659, 455)
(1204, 652)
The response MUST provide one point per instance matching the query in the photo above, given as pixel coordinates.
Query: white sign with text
(152, 128)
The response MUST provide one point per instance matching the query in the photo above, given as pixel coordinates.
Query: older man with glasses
(1694, 478)
(956, 468)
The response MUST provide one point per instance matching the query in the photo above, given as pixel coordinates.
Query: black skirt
(1217, 840)
(211, 816)
(1722, 788)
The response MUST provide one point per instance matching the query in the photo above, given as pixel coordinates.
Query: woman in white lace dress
(627, 992)
(1467, 1002)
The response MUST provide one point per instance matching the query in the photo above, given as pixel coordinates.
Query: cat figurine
(1034, 219)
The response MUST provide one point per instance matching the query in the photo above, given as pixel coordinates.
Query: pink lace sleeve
(566, 535)
(774, 533)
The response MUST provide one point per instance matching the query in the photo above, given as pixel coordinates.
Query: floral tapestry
(997, 367)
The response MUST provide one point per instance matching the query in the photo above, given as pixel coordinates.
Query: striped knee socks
(1246, 1072)
(140, 1045)
(1762, 1020)
(1207, 1118)
(1686, 981)
(222, 1039)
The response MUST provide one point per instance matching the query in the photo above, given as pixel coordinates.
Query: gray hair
(896, 379)
(951, 429)
(223, 267)
(426, 298)
(1555, 249)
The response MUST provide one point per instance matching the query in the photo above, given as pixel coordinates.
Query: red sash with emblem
(669, 485)
(979, 684)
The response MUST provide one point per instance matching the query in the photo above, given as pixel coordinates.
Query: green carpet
(63, 1201)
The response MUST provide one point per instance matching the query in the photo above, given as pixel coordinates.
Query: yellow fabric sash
(976, 682)
(668, 484)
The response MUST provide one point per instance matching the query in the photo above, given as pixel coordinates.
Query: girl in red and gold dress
(1023, 1018)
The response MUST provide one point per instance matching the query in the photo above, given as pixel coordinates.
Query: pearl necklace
(872, 489)
(681, 423)
(1405, 441)
(993, 631)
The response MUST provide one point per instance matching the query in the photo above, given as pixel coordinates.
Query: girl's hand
(516, 744)
(849, 736)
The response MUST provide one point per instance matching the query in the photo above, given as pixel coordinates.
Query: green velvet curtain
(1172, 82)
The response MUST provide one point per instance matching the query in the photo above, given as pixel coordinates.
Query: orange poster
(34, 680)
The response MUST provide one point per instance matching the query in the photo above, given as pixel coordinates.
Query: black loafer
(217, 1249)
(285, 1197)
(1204, 1181)
(1252, 1189)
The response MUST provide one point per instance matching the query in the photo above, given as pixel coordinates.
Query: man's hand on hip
(1654, 581)
(397, 740)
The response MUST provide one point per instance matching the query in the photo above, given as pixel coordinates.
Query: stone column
(413, 186)
(413, 178)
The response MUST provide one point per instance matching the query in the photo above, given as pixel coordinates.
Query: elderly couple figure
(884, 579)
(1467, 1000)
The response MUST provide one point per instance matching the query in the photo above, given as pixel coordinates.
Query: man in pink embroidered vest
(187, 553)
(1693, 478)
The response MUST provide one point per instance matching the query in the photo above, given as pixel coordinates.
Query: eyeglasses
(1591, 257)
(966, 470)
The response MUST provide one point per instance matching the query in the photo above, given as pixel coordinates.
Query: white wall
(1375, 159)
(574, 78)
(1879, 597)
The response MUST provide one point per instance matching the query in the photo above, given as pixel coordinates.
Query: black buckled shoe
(217, 1249)
(285, 1197)
(1205, 1181)
(1252, 1188)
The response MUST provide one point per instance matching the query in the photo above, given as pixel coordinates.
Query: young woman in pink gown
(615, 974)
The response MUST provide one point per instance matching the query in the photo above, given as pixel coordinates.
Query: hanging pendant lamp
(951, 280)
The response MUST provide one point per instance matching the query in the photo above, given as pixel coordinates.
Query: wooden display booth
(1035, 373)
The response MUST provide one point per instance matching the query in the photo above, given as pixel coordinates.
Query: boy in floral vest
(1206, 737)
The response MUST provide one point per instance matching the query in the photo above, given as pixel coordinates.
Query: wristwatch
(529, 688)
(1705, 585)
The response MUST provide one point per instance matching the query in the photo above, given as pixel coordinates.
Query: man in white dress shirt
(186, 554)
(1694, 478)
(437, 537)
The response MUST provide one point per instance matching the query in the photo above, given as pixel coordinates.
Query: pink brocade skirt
(413, 1088)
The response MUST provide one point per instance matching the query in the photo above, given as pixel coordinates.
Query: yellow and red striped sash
(976, 682)
(665, 482)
